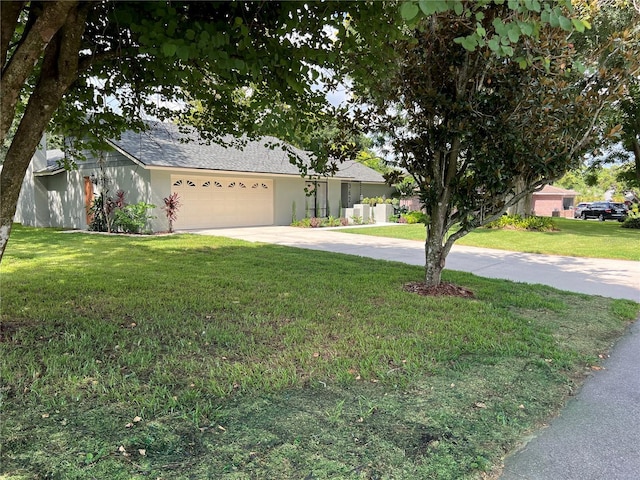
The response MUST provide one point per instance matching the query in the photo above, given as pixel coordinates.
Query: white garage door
(210, 202)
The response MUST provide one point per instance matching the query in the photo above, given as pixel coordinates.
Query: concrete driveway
(609, 278)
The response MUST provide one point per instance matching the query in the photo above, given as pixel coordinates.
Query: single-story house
(553, 202)
(218, 186)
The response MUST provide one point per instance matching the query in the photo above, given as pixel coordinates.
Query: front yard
(574, 238)
(201, 357)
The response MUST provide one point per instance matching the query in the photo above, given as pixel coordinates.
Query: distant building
(553, 202)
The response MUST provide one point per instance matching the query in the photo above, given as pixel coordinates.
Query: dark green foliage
(415, 216)
(632, 221)
(132, 218)
(518, 222)
(99, 212)
(115, 215)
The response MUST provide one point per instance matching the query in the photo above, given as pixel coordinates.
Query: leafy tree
(630, 134)
(614, 45)
(478, 125)
(95, 69)
(370, 159)
(592, 184)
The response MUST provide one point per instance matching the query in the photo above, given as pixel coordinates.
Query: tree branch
(10, 12)
(87, 61)
(23, 60)
(58, 71)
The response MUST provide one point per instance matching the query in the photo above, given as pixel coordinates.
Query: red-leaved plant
(171, 207)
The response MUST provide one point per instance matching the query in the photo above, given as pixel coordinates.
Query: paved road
(597, 435)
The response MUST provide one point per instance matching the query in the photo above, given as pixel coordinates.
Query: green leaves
(409, 11)
(525, 18)
(169, 49)
(429, 7)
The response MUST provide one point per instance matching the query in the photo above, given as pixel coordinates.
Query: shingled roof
(165, 145)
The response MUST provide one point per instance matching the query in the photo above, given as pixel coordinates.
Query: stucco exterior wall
(58, 200)
(333, 197)
(159, 189)
(286, 191)
(32, 208)
(545, 206)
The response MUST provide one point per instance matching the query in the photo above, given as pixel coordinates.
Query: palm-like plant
(171, 206)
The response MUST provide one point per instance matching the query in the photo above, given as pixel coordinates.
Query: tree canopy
(614, 44)
(479, 128)
(95, 69)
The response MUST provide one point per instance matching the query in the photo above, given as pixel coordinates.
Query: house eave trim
(48, 173)
(126, 154)
(250, 174)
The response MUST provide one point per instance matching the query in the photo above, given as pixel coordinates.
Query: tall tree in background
(479, 125)
(613, 45)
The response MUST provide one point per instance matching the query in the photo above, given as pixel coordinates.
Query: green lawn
(575, 238)
(201, 357)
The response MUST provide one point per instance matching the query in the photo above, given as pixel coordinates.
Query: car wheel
(583, 216)
(601, 217)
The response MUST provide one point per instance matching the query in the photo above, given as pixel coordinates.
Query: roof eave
(48, 173)
(131, 157)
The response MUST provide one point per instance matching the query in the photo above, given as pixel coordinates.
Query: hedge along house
(218, 187)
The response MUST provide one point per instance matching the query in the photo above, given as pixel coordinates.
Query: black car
(605, 211)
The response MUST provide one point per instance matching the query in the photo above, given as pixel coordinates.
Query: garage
(215, 202)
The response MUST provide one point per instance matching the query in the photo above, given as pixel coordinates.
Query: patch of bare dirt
(444, 289)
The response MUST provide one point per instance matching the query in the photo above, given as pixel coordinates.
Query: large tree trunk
(58, 71)
(46, 19)
(524, 206)
(436, 249)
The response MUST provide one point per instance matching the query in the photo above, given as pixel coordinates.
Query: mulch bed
(442, 290)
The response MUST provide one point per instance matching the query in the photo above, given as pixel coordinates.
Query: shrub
(373, 201)
(102, 211)
(132, 218)
(316, 222)
(357, 220)
(331, 222)
(304, 223)
(416, 216)
(99, 219)
(518, 222)
(632, 220)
